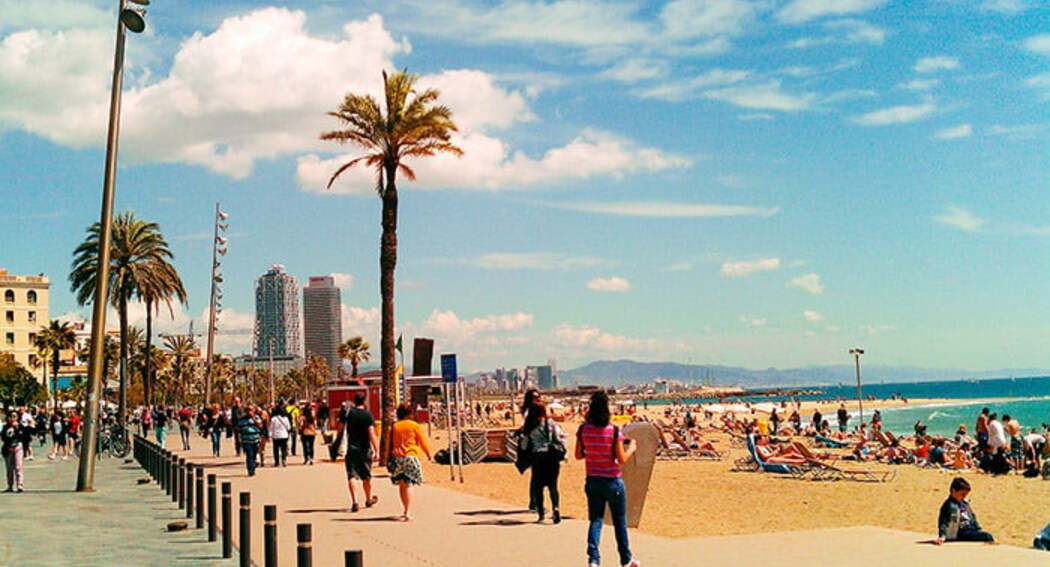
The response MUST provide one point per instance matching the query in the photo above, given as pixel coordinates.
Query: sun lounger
(796, 471)
(827, 471)
(829, 442)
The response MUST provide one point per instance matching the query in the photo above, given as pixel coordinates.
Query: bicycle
(113, 440)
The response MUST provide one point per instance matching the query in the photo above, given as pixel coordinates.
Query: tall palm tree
(137, 247)
(50, 342)
(160, 285)
(180, 348)
(316, 372)
(356, 350)
(409, 124)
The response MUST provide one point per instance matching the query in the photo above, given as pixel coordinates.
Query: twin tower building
(277, 317)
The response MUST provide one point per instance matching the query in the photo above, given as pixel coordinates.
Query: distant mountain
(626, 372)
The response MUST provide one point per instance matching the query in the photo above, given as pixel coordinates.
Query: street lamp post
(128, 18)
(214, 305)
(856, 352)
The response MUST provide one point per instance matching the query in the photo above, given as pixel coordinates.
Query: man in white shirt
(996, 434)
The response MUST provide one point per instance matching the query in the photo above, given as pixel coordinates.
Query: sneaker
(20, 488)
(50, 457)
(557, 517)
(354, 507)
(371, 501)
(66, 458)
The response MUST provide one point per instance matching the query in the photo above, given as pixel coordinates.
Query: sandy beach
(706, 498)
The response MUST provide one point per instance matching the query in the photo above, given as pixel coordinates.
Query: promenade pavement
(121, 523)
(453, 529)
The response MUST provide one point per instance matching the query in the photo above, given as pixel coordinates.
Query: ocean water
(1026, 399)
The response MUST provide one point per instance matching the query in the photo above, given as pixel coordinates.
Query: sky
(750, 183)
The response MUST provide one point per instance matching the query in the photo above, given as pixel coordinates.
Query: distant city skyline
(742, 182)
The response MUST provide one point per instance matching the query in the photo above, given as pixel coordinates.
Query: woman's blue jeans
(216, 440)
(601, 491)
(162, 435)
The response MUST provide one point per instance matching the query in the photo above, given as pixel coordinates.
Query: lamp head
(132, 19)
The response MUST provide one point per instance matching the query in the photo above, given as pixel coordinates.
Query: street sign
(448, 368)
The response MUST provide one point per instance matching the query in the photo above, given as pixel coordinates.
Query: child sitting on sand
(957, 520)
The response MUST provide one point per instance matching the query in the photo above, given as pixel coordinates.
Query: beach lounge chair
(667, 450)
(796, 471)
(829, 442)
(828, 471)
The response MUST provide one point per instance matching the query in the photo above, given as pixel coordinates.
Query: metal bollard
(305, 553)
(198, 473)
(270, 535)
(180, 483)
(213, 531)
(227, 520)
(174, 478)
(354, 558)
(165, 471)
(189, 490)
(246, 529)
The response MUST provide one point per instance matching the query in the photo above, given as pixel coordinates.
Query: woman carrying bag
(543, 441)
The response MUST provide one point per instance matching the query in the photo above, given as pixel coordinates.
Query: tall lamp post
(131, 19)
(215, 305)
(856, 352)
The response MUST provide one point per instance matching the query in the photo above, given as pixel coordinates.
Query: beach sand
(690, 498)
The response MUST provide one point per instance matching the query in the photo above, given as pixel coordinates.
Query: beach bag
(524, 458)
(1042, 539)
(556, 445)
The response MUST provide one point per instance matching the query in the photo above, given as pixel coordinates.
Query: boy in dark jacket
(957, 520)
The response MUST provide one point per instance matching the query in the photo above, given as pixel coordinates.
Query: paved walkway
(121, 523)
(453, 529)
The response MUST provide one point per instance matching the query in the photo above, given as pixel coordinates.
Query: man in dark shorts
(362, 448)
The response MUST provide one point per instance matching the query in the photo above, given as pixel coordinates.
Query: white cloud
(449, 325)
(614, 285)
(756, 117)
(1019, 131)
(52, 14)
(812, 316)
(665, 209)
(532, 261)
(848, 31)
(686, 89)
(678, 267)
(488, 164)
(920, 84)
(738, 269)
(800, 11)
(1009, 6)
(1039, 44)
(1041, 82)
(937, 63)
(897, 115)
(344, 282)
(753, 322)
(255, 88)
(692, 18)
(765, 96)
(961, 219)
(589, 338)
(809, 283)
(954, 133)
(363, 321)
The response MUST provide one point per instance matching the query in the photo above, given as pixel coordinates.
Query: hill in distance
(629, 372)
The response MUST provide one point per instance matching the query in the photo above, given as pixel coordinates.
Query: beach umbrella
(555, 405)
(738, 408)
(715, 408)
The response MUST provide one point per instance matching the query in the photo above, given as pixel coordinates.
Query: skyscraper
(322, 321)
(277, 314)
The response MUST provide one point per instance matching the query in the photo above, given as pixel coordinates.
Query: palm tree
(316, 372)
(136, 249)
(180, 349)
(356, 350)
(50, 342)
(160, 284)
(409, 125)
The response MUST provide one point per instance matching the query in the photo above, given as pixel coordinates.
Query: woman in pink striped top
(605, 449)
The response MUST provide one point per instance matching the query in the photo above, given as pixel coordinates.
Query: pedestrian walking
(280, 431)
(308, 433)
(409, 444)
(12, 436)
(250, 429)
(362, 448)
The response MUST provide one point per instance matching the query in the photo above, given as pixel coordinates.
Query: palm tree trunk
(387, 263)
(122, 403)
(147, 382)
(54, 374)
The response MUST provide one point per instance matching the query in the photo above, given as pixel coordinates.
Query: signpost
(449, 378)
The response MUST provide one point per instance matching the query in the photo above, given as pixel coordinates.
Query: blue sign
(448, 368)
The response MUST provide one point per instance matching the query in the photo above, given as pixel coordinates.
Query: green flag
(398, 345)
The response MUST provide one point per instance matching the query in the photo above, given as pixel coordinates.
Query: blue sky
(753, 183)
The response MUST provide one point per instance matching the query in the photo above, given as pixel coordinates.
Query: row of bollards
(184, 482)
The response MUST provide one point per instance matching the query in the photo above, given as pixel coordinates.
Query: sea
(1025, 399)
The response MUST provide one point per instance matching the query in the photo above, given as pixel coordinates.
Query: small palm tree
(409, 124)
(50, 342)
(316, 373)
(356, 350)
(136, 249)
(180, 348)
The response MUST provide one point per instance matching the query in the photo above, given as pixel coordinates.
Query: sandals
(405, 518)
(371, 502)
(354, 507)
